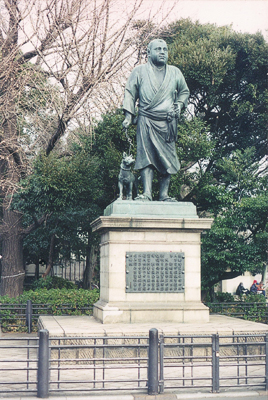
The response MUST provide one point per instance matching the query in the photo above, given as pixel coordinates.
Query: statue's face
(158, 52)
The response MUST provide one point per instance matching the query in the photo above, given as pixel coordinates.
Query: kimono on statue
(157, 124)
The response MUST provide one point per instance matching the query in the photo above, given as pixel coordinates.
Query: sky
(244, 15)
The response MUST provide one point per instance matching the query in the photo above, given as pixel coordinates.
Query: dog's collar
(125, 169)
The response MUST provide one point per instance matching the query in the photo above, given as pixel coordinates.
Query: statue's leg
(164, 182)
(129, 191)
(120, 186)
(147, 175)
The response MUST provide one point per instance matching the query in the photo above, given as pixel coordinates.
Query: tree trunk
(11, 229)
(12, 261)
(91, 259)
(50, 256)
(264, 277)
(37, 269)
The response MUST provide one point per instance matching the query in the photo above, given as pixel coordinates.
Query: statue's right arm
(130, 98)
(128, 119)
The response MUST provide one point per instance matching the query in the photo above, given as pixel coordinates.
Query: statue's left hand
(178, 111)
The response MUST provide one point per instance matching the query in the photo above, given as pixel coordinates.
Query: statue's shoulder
(139, 68)
(174, 70)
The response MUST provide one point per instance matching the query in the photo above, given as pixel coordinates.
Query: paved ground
(87, 326)
(252, 395)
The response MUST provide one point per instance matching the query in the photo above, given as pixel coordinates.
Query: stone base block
(151, 209)
(135, 312)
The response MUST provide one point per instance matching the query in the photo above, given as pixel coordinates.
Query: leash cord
(129, 141)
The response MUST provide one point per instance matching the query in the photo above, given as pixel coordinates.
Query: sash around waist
(156, 116)
(170, 117)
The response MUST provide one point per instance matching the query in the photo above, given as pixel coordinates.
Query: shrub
(53, 282)
(224, 297)
(256, 310)
(76, 299)
(251, 307)
(254, 298)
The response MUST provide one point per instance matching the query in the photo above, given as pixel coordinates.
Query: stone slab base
(88, 326)
(81, 330)
(135, 312)
(157, 209)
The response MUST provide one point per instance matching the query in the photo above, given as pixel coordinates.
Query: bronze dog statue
(126, 178)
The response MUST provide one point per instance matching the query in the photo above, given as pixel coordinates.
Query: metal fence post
(29, 315)
(266, 361)
(43, 365)
(215, 363)
(161, 356)
(153, 362)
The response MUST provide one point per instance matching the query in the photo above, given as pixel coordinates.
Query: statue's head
(157, 52)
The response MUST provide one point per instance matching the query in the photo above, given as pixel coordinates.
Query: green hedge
(251, 307)
(54, 298)
(79, 297)
(53, 282)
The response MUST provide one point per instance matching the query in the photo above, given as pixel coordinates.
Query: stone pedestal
(132, 226)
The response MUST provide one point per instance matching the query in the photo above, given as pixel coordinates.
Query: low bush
(79, 297)
(254, 298)
(52, 302)
(224, 297)
(53, 282)
(251, 307)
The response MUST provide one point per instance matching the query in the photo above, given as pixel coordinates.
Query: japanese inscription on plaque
(154, 272)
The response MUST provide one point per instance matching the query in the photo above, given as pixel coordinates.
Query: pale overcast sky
(244, 15)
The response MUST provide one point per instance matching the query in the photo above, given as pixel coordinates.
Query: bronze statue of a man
(162, 93)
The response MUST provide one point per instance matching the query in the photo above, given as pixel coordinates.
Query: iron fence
(250, 311)
(210, 363)
(97, 364)
(21, 315)
(213, 362)
(17, 316)
(243, 361)
(18, 364)
(187, 362)
(71, 270)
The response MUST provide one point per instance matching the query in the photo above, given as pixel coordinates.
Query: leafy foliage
(52, 302)
(251, 307)
(53, 282)
(222, 142)
(226, 73)
(72, 190)
(223, 297)
(78, 297)
(238, 238)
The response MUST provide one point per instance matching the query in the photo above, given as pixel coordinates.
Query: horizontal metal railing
(250, 311)
(186, 361)
(151, 364)
(102, 363)
(214, 361)
(17, 315)
(18, 364)
(247, 356)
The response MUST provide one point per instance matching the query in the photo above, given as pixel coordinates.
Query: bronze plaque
(154, 272)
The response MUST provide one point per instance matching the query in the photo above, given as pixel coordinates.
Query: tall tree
(222, 142)
(72, 190)
(79, 46)
(237, 241)
(227, 76)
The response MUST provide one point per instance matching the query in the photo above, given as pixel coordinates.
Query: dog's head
(128, 160)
